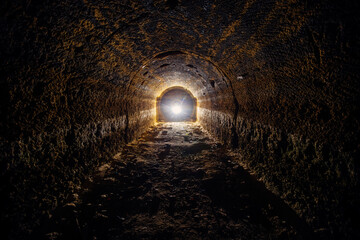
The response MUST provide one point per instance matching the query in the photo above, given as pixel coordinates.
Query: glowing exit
(176, 104)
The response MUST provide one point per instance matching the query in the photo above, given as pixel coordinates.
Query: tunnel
(178, 119)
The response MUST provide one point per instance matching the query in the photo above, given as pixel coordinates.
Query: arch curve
(176, 104)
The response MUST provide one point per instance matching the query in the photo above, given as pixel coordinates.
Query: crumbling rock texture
(275, 80)
(174, 182)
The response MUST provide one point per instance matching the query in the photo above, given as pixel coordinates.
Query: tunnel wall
(217, 123)
(295, 85)
(51, 146)
(63, 110)
(290, 95)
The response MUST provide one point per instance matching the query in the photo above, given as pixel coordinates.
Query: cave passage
(196, 100)
(174, 182)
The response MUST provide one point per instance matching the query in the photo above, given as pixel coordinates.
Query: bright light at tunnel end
(176, 109)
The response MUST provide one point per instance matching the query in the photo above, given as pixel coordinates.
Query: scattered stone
(176, 190)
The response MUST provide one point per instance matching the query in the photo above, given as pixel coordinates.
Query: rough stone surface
(276, 80)
(174, 182)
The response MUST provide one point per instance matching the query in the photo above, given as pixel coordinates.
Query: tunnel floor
(174, 182)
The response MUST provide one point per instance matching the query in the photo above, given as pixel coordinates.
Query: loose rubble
(174, 182)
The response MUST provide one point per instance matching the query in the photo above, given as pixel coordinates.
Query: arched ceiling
(80, 77)
(175, 68)
(121, 36)
(269, 55)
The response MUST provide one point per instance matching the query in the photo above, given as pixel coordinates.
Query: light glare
(176, 109)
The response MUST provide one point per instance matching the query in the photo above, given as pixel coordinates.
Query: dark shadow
(237, 188)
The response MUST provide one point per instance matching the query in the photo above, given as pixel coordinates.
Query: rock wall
(295, 86)
(46, 163)
(62, 114)
(79, 79)
(217, 123)
(318, 181)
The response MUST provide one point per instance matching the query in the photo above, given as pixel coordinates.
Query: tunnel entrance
(176, 104)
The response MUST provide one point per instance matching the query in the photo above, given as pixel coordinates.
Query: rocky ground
(174, 182)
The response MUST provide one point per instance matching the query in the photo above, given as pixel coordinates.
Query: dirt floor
(175, 182)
